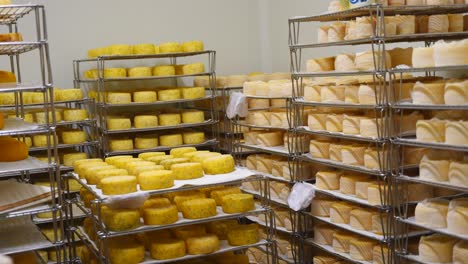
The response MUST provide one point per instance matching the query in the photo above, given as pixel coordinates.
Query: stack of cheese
(349, 154)
(178, 242)
(441, 54)
(274, 88)
(443, 214)
(268, 118)
(146, 49)
(153, 141)
(447, 167)
(61, 114)
(151, 95)
(357, 247)
(448, 92)
(235, 81)
(350, 124)
(454, 132)
(283, 218)
(71, 94)
(152, 170)
(363, 61)
(352, 94)
(277, 166)
(66, 157)
(154, 120)
(439, 248)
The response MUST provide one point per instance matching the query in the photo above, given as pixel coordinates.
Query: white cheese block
(434, 170)
(456, 93)
(456, 132)
(348, 183)
(320, 64)
(457, 173)
(344, 62)
(322, 34)
(323, 234)
(361, 188)
(328, 180)
(436, 248)
(332, 94)
(428, 93)
(460, 253)
(430, 130)
(334, 123)
(367, 94)
(401, 56)
(280, 88)
(453, 53)
(423, 57)
(317, 121)
(457, 216)
(432, 213)
(336, 32)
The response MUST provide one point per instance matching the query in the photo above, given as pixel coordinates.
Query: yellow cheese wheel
(145, 97)
(193, 137)
(205, 244)
(167, 163)
(117, 123)
(139, 72)
(180, 198)
(145, 121)
(164, 70)
(193, 68)
(238, 203)
(100, 175)
(193, 92)
(193, 117)
(167, 249)
(170, 47)
(126, 251)
(220, 193)
(156, 202)
(12, 150)
(146, 142)
(80, 167)
(171, 140)
(120, 144)
(192, 46)
(67, 94)
(185, 232)
(75, 114)
(169, 94)
(187, 170)
(40, 117)
(111, 160)
(85, 161)
(169, 119)
(155, 180)
(243, 235)
(198, 208)
(179, 152)
(201, 156)
(138, 170)
(41, 140)
(158, 158)
(7, 77)
(89, 173)
(118, 97)
(219, 164)
(120, 219)
(119, 185)
(70, 158)
(189, 155)
(162, 215)
(132, 164)
(146, 155)
(120, 49)
(144, 49)
(221, 228)
(115, 73)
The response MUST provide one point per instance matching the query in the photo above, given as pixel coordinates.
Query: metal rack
(103, 109)
(385, 107)
(100, 246)
(19, 232)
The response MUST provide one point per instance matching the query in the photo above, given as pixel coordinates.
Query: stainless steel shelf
(445, 231)
(22, 239)
(346, 227)
(185, 222)
(80, 101)
(29, 211)
(21, 87)
(11, 13)
(414, 258)
(267, 97)
(301, 101)
(107, 105)
(330, 250)
(159, 128)
(272, 177)
(16, 126)
(350, 198)
(208, 143)
(86, 122)
(262, 223)
(149, 56)
(8, 169)
(64, 146)
(430, 69)
(340, 165)
(388, 11)
(307, 130)
(261, 127)
(428, 107)
(279, 150)
(15, 48)
(331, 73)
(416, 143)
(149, 78)
(387, 39)
(446, 185)
(273, 200)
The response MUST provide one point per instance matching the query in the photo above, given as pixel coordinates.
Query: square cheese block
(328, 180)
(432, 213)
(430, 130)
(320, 149)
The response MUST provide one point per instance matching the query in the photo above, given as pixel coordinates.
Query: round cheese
(147, 155)
(193, 92)
(219, 164)
(164, 70)
(145, 97)
(115, 73)
(193, 68)
(192, 46)
(120, 144)
(237, 203)
(38, 141)
(73, 137)
(243, 235)
(120, 219)
(119, 185)
(68, 94)
(137, 72)
(161, 215)
(218, 195)
(187, 171)
(193, 137)
(75, 114)
(140, 169)
(169, 94)
(144, 49)
(198, 208)
(146, 142)
(167, 163)
(155, 179)
(179, 152)
(145, 121)
(162, 249)
(205, 244)
(158, 158)
(169, 119)
(70, 158)
(170, 47)
(120, 49)
(185, 232)
(117, 123)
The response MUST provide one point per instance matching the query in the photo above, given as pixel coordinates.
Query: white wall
(229, 27)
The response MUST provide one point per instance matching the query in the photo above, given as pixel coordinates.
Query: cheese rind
(205, 244)
(436, 248)
(162, 249)
(361, 249)
(243, 235)
(237, 203)
(162, 215)
(198, 208)
(156, 179)
(119, 185)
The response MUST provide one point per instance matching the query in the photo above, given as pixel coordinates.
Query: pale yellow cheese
(348, 183)
(237, 203)
(73, 136)
(193, 68)
(117, 123)
(155, 179)
(205, 244)
(163, 249)
(198, 208)
(120, 144)
(457, 173)
(243, 235)
(164, 70)
(161, 215)
(170, 47)
(436, 248)
(145, 97)
(75, 114)
(340, 212)
(456, 216)
(341, 240)
(361, 219)
(460, 252)
(323, 234)
(361, 249)
(193, 137)
(193, 92)
(145, 121)
(319, 149)
(170, 140)
(120, 219)
(119, 185)
(219, 164)
(138, 72)
(328, 180)
(321, 207)
(169, 94)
